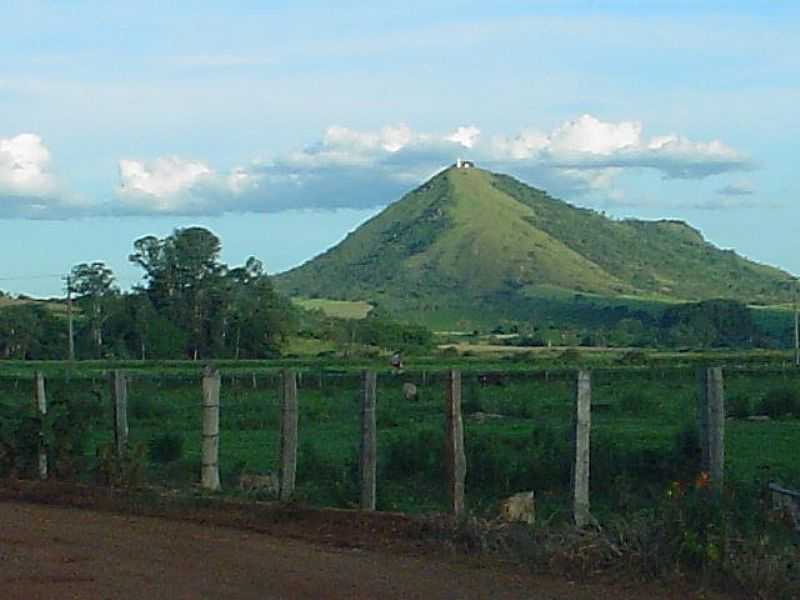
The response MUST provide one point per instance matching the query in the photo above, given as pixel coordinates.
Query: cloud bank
(27, 187)
(172, 185)
(349, 168)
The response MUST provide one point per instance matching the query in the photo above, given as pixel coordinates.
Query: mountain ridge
(469, 238)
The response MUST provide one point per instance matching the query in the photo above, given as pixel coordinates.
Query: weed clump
(780, 402)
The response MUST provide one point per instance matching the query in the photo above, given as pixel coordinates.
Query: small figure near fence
(487, 379)
(252, 483)
(397, 362)
(409, 391)
(519, 508)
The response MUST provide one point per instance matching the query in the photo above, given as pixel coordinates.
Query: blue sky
(281, 126)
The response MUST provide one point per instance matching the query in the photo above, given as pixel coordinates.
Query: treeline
(717, 323)
(189, 306)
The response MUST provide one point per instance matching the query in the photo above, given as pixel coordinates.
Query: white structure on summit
(464, 164)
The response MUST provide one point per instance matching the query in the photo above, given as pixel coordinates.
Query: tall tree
(184, 282)
(93, 283)
(257, 317)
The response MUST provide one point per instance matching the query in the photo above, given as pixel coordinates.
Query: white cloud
(25, 167)
(172, 185)
(350, 168)
(588, 143)
(28, 188)
(590, 135)
(466, 136)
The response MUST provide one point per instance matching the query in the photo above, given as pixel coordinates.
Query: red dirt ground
(59, 553)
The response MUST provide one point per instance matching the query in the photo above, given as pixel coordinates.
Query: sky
(281, 126)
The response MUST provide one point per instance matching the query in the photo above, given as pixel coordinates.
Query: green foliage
(709, 323)
(165, 447)
(149, 407)
(739, 406)
(125, 471)
(31, 331)
(477, 248)
(780, 401)
(413, 452)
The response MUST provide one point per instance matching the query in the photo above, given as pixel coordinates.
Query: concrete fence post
(367, 461)
(454, 456)
(288, 442)
(118, 383)
(582, 447)
(210, 450)
(711, 423)
(40, 406)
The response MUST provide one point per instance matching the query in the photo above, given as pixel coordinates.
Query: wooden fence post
(580, 468)
(119, 398)
(210, 457)
(40, 405)
(288, 442)
(367, 459)
(711, 423)
(454, 457)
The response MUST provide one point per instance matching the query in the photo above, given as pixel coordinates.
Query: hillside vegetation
(470, 245)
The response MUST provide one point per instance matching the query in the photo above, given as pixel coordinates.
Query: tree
(30, 331)
(93, 283)
(184, 282)
(258, 318)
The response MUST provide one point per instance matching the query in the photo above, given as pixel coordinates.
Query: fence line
(710, 420)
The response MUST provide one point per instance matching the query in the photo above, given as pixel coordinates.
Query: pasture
(517, 431)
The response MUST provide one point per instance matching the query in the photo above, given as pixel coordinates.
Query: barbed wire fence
(518, 432)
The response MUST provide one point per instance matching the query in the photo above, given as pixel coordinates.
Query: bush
(779, 402)
(570, 356)
(633, 357)
(149, 408)
(165, 447)
(740, 406)
(413, 453)
(633, 403)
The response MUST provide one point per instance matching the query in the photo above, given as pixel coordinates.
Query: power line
(31, 277)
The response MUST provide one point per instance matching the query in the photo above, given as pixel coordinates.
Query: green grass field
(516, 431)
(340, 309)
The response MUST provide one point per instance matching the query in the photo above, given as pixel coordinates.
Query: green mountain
(472, 246)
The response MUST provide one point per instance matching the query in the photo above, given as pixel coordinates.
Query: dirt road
(61, 553)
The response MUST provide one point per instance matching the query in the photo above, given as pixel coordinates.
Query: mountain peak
(469, 239)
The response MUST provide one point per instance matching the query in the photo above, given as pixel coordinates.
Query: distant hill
(472, 246)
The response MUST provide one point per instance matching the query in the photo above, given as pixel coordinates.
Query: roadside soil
(81, 553)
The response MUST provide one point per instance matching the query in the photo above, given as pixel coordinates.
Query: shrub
(165, 447)
(472, 403)
(633, 357)
(633, 403)
(414, 452)
(780, 401)
(570, 356)
(149, 408)
(740, 406)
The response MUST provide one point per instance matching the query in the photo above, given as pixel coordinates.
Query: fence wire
(517, 424)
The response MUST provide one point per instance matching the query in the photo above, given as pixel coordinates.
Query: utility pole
(70, 335)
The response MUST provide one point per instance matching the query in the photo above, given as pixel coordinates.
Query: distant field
(480, 348)
(54, 307)
(300, 346)
(516, 425)
(341, 309)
